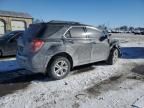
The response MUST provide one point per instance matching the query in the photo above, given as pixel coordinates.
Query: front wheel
(59, 68)
(113, 57)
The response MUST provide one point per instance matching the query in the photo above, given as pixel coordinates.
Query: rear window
(34, 31)
(51, 29)
(41, 30)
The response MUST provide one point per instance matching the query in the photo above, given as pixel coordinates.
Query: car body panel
(81, 50)
(100, 50)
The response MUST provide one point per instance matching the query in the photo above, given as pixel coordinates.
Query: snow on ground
(90, 86)
(139, 102)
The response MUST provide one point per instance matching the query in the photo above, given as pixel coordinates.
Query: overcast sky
(113, 13)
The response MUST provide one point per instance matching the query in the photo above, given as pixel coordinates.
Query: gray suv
(56, 47)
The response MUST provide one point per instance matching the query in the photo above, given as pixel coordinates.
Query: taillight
(37, 44)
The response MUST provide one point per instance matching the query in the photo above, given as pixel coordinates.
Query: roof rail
(63, 22)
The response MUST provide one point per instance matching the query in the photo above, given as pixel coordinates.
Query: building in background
(10, 21)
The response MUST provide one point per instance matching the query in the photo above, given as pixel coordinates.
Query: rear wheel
(0, 53)
(113, 57)
(59, 68)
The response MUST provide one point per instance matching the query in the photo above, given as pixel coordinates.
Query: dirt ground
(95, 85)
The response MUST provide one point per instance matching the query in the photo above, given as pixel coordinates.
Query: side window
(77, 32)
(93, 33)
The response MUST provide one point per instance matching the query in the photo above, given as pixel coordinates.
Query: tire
(0, 53)
(113, 57)
(59, 68)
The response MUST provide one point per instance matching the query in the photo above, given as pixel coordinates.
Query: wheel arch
(115, 46)
(62, 54)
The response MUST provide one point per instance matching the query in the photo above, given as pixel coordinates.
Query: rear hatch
(36, 33)
(24, 42)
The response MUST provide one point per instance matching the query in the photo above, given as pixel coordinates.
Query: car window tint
(93, 33)
(77, 32)
(51, 29)
(33, 31)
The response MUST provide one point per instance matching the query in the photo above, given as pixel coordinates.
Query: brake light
(37, 44)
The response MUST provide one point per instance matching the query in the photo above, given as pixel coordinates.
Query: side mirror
(110, 34)
(103, 38)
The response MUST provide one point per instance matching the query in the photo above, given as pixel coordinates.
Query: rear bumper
(33, 64)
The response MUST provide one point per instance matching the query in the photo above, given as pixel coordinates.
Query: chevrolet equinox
(56, 47)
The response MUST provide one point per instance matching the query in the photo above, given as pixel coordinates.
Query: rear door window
(77, 32)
